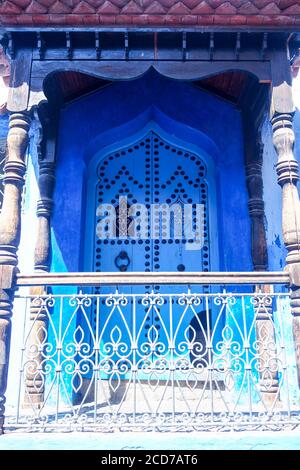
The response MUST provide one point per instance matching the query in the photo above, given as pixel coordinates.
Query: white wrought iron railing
(97, 354)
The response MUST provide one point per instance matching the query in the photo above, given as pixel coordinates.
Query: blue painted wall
(91, 122)
(3, 126)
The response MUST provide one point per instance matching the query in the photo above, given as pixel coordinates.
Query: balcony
(154, 351)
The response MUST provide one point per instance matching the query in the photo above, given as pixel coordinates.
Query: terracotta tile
(84, 8)
(36, 8)
(205, 20)
(172, 20)
(59, 7)
(263, 3)
(40, 20)
(23, 3)
(58, 19)
(107, 20)
(10, 8)
(155, 8)
(238, 19)
(283, 4)
(248, 9)
(132, 8)
(189, 19)
(91, 20)
(138, 20)
(155, 12)
(179, 9)
(203, 9)
(190, 3)
(156, 20)
(292, 10)
(108, 8)
(271, 9)
(9, 20)
(123, 19)
(225, 9)
(24, 19)
(120, 3)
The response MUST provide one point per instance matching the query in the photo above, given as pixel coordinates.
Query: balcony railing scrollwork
(162, 355)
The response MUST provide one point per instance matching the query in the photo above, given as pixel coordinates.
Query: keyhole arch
(97, 160)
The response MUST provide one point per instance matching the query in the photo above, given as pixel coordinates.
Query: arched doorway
(151, 206)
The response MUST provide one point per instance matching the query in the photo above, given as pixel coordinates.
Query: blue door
(145, 176)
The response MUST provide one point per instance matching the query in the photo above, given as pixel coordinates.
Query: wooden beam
(18, 92)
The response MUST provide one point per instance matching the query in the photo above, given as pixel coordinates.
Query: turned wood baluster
(257, 214)
(10, 227)
(287, 172)
(265, 333)
(34, 379)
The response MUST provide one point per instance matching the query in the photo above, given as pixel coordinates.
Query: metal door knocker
(122, 261)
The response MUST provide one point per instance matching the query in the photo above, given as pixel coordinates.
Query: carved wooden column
(287, 172)
(34, 378)
(264, 326)
(257, 215)
(10, 227)
(254, 106)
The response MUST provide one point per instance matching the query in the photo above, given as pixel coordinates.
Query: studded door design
(149, 172)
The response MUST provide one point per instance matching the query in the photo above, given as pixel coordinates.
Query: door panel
(149, 172)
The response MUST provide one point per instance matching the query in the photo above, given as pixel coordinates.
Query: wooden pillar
(287, 172)
(34, 377)
(254, 107)
(264, 326)
(10, 227)
(257, 214)
(282, 113)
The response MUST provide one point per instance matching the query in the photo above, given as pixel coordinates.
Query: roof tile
(108, 8)
(59, 8)
(10, 8)
(292, 10)
(36, 8)
(179, 9)
(226, 9)
(23, 3)
(271, 9)
(155, 8)
(131, 8)
(84, 8)
(248, 8)
(191, 3)
(150, 12)
(203, 9)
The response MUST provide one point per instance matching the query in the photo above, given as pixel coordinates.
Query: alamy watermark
(156, 221)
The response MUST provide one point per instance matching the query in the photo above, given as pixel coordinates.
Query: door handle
(122, 261)
(181, 267)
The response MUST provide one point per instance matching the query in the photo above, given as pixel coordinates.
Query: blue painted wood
(149, 172)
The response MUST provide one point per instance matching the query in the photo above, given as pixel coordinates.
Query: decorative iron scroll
(199, 369)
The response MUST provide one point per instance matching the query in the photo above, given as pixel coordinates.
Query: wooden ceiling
(72, 85)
